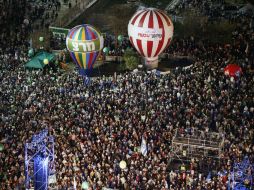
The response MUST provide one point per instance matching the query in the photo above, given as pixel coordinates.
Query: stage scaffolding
(241, 175)
(40, 163)
(197, 144)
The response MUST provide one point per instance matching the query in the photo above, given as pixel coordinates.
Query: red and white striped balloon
(150, 31)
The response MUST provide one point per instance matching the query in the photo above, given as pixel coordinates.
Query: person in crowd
(97, 125)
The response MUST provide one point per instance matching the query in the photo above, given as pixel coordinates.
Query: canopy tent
(45, 55)
(37, 61)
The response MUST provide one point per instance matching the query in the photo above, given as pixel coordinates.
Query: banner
(59, 32)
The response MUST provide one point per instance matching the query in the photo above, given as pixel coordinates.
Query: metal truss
(241, 175)
(196, 144)
(41, 145)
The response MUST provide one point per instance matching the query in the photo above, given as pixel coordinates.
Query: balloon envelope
(41, 39)
(183, 168)
(150, 31)
(26, 21)
(85, 185)
(46, 61)
(1, 147)
(120, 38)
(84, 43)
(233, 70)
(122, 164)
(105, 50)
(31, 51)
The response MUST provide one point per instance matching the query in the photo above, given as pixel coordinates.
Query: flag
(158, 73)
(75, 184)
(247, 49)
(208, 178)
(31, 43)
(86, 80)
(143, 147)
(229, 179)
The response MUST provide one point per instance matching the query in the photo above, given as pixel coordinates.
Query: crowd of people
(43, 12)
(97, 125)
(215, 9)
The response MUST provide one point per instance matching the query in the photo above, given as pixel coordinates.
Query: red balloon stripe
(141, 22)
(150, 22)
(89, 64)
(139, 43)
(149, 48)
(136, 17)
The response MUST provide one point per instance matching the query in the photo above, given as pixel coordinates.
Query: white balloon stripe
(156, 42)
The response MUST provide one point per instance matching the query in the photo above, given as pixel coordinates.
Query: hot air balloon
(150, 31)
(84, 43)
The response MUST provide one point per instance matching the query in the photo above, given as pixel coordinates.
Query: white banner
(148, 34)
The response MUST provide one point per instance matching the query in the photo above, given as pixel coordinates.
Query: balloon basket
(85, 72)
(151, 64)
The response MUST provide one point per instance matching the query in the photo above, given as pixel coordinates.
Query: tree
(131, 59)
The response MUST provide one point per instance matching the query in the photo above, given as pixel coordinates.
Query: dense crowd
(215, 10)
(97, 125)
(43, 13)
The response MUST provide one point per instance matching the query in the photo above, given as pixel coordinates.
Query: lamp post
(41, 39)
(123, 166)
